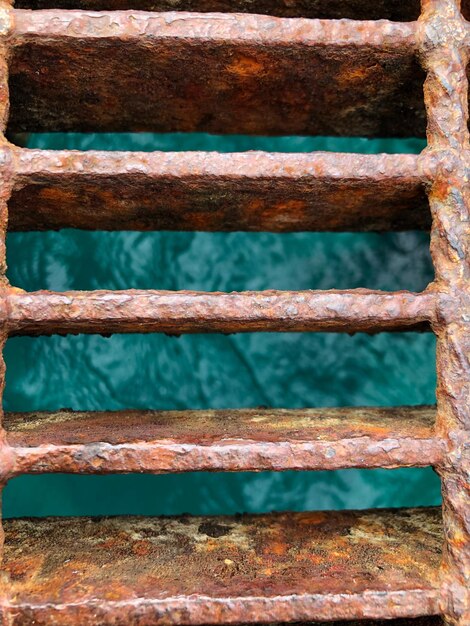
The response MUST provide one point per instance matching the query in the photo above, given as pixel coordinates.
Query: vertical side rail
(6, 169)
(5, 190)
(443, 47)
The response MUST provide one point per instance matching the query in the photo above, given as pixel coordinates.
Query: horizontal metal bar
(324, 9)
(224, 440)
(141, 25)
(178, 312)
(213, 72)
(254, 191)
(286, 567)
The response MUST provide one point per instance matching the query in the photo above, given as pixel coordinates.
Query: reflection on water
(216, 494)
(280, 370)
(71, 259)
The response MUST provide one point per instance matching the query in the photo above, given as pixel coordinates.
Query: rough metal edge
(444, 44)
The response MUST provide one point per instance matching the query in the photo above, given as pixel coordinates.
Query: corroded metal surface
(285, 567)
(228, 440)
(444, 49)
(322, 9)
(177, 312)
(6, 171)
(213, 72)
(250, 74)
(426, 620)
(5, 455)
(254, 191)
(5, 189)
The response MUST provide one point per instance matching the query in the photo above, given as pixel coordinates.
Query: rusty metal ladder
(222, 72)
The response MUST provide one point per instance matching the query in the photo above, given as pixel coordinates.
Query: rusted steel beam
(426, 620)
(253, 191)
(5, 454)
(444, 47)
(5, 188)
(192, 570)
(6, 171)
(395, 10)
(178, 312)
(212, 72)
(5, 28)
(224, 440)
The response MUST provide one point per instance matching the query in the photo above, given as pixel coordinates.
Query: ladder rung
(178, 312)
(213, 72)
(224, 440)
(207, 191)
(286, 567)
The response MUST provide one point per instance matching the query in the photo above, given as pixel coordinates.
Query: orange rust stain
(115, 594)
(55, 194)
(277, 547)
(440, 190)
(255, 205)
(114, 543)
(360, 73)
(210, 545)
(315, 559)
(315, 517)
(142, 548)
(245, 66)
(18, 570)
(290, 205)
(340, 554)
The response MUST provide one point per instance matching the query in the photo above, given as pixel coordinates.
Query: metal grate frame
(76, 571)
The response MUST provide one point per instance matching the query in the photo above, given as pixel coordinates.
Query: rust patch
(232, 569)
(249, 74)
(444, 50)
(216, 73)
(228, 440)
(252, 191)
(323, 9)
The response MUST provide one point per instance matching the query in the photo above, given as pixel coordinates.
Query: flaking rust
(212, 72)
(208, 191)
(177, 312)
(444, 52)
(5, 191)
(224, 70)
(188, 570)
(224, 440)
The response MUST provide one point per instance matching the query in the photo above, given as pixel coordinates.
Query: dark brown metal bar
(177, 312)
(224, 440)
(444, 47)
(274, 568)
(213, 72)
(395, 10)
(253, 191)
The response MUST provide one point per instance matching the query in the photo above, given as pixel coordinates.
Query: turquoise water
(214, 371)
